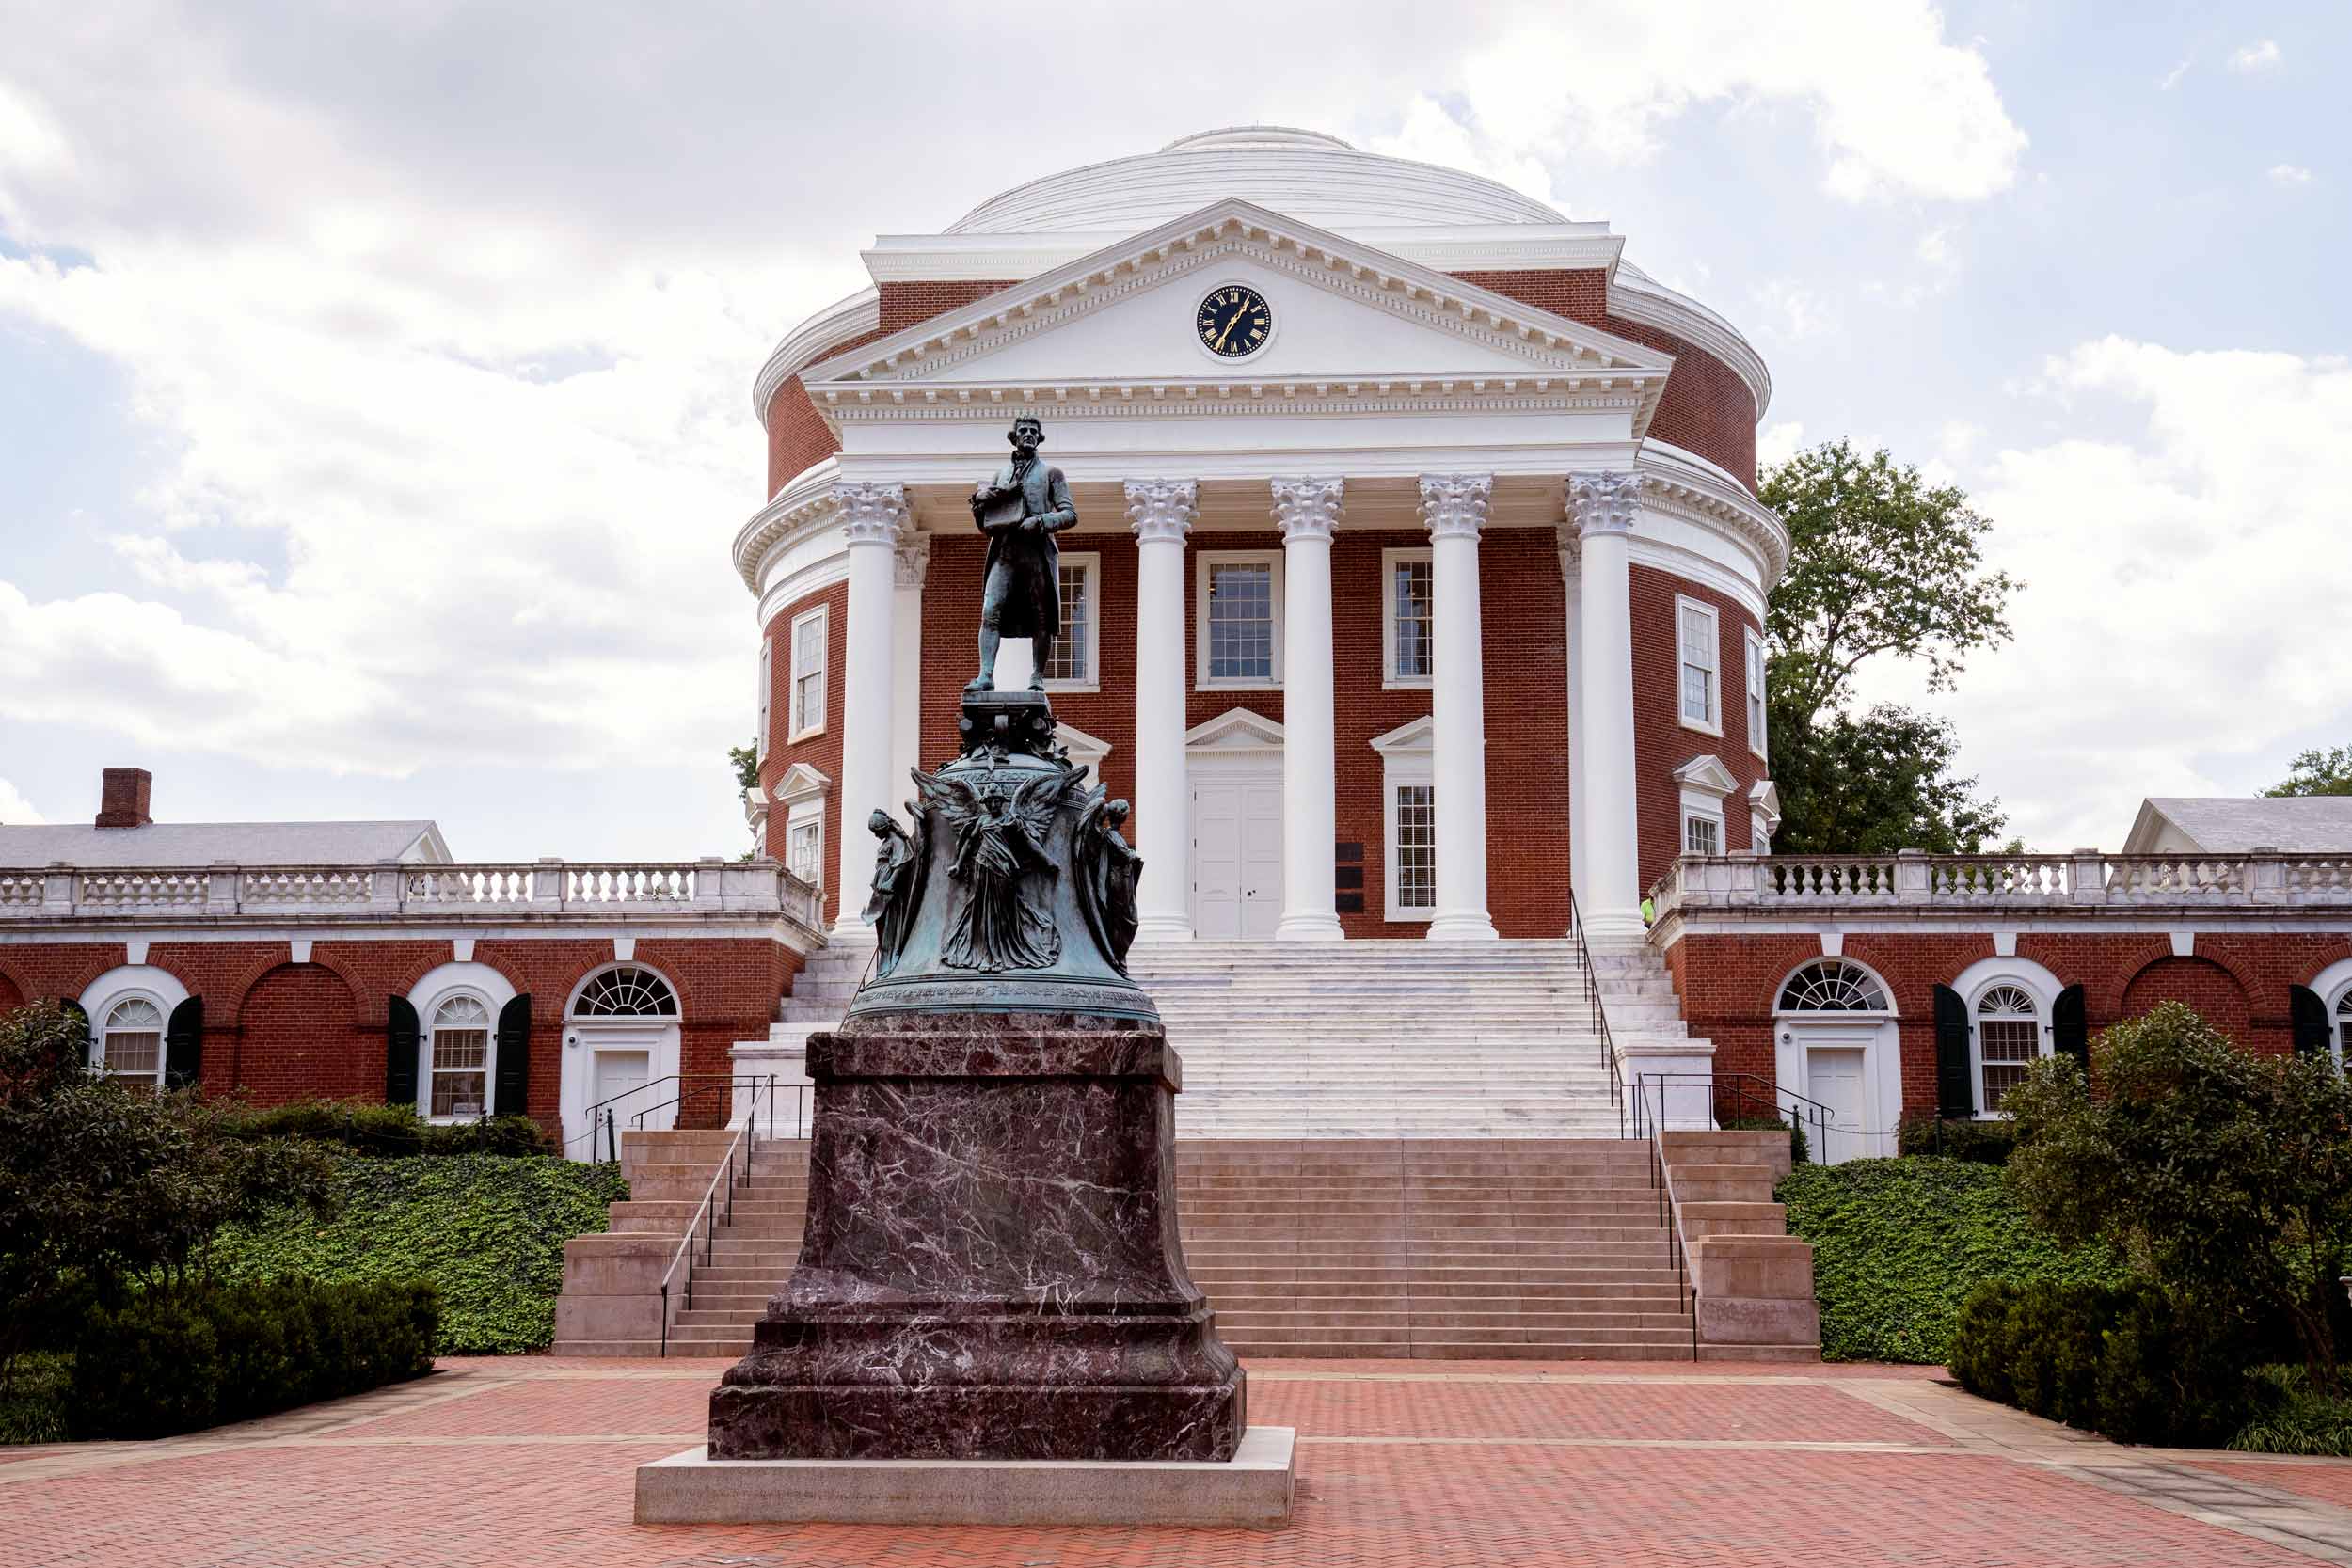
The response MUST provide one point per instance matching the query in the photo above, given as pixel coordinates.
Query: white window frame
(1204, 561)
(102, 1032)
(1391, 558)
(1713, 723)
(437, 988)
(428, 1071)
(1704, 782)
(767, 693)
(1404, 760)
(1759, 837)
(135, 982)
(1712, 822)
(822, 616)
(1090, 563)
(806, 814)
(1980, 978)
(2333, 985)
(1759, 724)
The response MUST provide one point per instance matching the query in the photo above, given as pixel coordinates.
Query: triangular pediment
(1235, 729)
(1707, 773)
(1411, 736)
(800, 782)
(1344, 315)
(1764, 800)
(1084, 749)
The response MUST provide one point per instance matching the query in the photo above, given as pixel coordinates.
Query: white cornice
(804, 504)
(1497, 247)
(1676, 480)
(1644, 299)
(836, 324)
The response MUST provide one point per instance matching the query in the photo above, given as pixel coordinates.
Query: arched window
(1834, 985)
(131, 1042)
(2343, 1041)
(2008, 1038)
(627, 993)
(461, 1057)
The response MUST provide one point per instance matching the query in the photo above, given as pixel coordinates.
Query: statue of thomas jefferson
(1021, 510)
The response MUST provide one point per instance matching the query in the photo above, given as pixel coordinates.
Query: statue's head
(1116, 814)
(878, 823)
(1027, 434)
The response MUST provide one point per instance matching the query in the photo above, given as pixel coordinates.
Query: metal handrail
(1669, 1217)
(680, 1078)
(707, 1216)
(799, 1094)
(1599, 1014)
(1799, 1113)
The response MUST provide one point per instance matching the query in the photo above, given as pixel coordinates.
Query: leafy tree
(1883, 566)
(103, 1183)
(2317, 772)
(745, 761)
(1874, 784)
(2223, 1177)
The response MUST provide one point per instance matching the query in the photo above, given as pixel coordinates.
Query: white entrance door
(1236, 859)
(622, 1067)
(1835, 1076)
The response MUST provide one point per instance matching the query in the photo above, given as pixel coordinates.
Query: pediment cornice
(1567, 364)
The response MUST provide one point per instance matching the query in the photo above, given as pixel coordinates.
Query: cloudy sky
(374, 379)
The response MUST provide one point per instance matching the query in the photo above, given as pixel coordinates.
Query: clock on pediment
(1235, 320)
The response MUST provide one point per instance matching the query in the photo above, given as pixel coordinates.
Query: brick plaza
(527, 1461)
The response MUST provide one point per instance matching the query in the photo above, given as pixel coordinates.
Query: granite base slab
(1253, 1489)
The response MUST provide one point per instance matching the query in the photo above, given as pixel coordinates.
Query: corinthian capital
(1160, 509)
(1454, 505)
(871, 514)
(1603, 502)
(1308, 509)
(912, 559)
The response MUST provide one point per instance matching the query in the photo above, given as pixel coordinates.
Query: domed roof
(1303, 174)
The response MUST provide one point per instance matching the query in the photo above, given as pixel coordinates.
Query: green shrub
(195, 1356)
(1898, 1244)
(32, 1410)
(2292, 1416)
(487, 1231)
(1985, 1142)
(371, 1126)
(2124, 1361)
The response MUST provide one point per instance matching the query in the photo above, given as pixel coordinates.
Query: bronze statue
(1108, 869)
(1004, 919)
(897, 873)
(1021, 510)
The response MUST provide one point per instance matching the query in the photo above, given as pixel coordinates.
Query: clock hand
(1230, 325)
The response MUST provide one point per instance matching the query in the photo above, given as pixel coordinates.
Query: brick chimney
(122, 800)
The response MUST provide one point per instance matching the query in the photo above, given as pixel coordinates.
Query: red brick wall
(1524, 638)
(797, 436)
(297, 1040)
(823, 751)
(1729, 984)
(10, 996)
(1661, 741)
(1706, 408)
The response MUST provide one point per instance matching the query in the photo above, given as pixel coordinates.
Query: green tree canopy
(1883, 566)
(745, 761)
(2317, 772)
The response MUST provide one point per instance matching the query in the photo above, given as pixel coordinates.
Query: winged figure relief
(1004, 916)
(1107, 868)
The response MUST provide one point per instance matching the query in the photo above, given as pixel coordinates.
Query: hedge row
(1899, 1245)
(487, 1232)
(182, 1359)
(370, 1127)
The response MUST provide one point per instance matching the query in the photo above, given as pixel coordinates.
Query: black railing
(707, 1216)
(602, 1117)
(1597, 1015)
(1669, 1217)
(1736, 1097)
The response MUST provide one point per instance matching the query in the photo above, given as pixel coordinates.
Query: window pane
(1413, 651)
(1069, 662)
(1416, 847)
(1241, 622)
(457, 1094)
(1698, 665)
(1701, 835)
(1698, 695)
(801, 852)
(134, 1052)
(2008, 1045)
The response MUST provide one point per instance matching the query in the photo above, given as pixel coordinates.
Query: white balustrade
(23, 888)
(160, 887)
(2012, 882)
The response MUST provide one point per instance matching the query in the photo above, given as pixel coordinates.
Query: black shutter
(2070, 1027)
(514, 1064)
(90, 1040)
(1955, 1081)
(183, 1045)
(2308, 1014)
(400, 1054)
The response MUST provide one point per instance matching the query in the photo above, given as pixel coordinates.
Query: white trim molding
(1204, 564)
(797, 723)
(1391, 557)
(1405, 762)
(1711, 722)
(1705, 783)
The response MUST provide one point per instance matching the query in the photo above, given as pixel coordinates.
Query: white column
(1161, 511)
(912, 564)
(872, 519)
(1572, 582)
(1602, 506)
(1454, 507)
(1307, 510)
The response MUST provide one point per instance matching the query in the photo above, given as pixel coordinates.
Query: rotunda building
(1419, 576)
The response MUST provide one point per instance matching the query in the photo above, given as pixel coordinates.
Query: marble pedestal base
(1252, 1489)
(991, 1268)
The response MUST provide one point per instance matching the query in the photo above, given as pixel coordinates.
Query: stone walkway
(524, 1461)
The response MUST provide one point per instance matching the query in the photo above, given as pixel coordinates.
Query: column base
(850, 930)
(1309, 925)
(1462, 926)
(1620, 924)
(1160, 925)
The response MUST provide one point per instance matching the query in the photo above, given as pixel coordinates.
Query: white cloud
(2290, 175)
(1896, 107)
(1790, 311)
(14, 809)
(1778, 443)
(2172, 78)
(2260, 55)
(2156, 647)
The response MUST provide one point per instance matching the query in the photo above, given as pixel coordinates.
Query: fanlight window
(2344, 1029)
(134, 1046)
(1832, 986)
(2009, 1038)
(627, 993)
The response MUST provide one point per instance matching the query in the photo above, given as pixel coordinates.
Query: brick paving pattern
(527, 1461)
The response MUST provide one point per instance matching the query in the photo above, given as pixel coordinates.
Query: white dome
(1302, 174)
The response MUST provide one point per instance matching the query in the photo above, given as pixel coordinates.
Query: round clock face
(1233, 321)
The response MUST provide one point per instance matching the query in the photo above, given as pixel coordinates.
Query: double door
(1237, 858)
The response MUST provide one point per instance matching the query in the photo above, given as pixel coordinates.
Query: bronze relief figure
(1002, 918)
